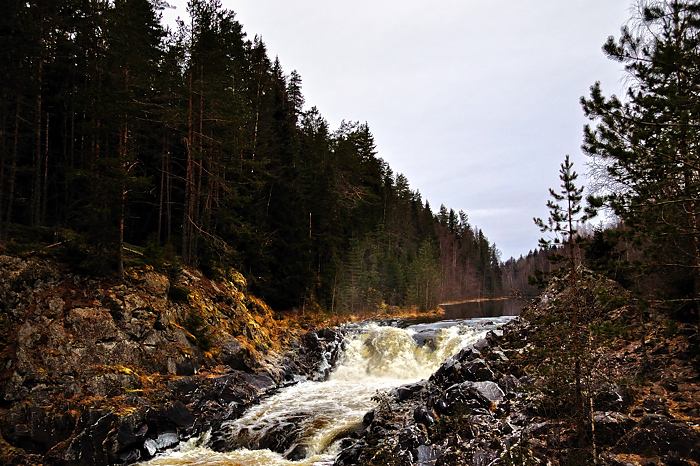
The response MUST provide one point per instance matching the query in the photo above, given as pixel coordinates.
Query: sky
(475, 102)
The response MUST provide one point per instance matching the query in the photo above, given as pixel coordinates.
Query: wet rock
(407, 391)
(350, 454)
(183, 387)
(87, 447)
(412, 437)
(477, 371)
(423, 415)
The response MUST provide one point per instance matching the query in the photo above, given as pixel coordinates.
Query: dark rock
(490, 391)
(131, 432)
(466, 394)
(183, 387)
(610, 426)
(656, 434)
(410, 438)
(405, 392)
(481, 345)
(130, 456)
(233, 355)
(508, 383)
(350, 454)
(477, 371)
(179, 414)
(610, 397)
(424, 415)
(186, 366)
(297, 453)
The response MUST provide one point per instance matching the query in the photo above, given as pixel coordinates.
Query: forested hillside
(120, 138)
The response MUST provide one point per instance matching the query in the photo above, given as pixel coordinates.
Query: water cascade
(302, 424)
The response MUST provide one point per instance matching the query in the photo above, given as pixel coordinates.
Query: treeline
(117, 135)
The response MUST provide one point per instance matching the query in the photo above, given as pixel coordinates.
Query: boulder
(655, 435)
(610, 426)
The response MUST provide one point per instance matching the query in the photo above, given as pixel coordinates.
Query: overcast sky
(476, 102)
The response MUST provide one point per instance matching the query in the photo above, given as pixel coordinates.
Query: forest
(123, 141)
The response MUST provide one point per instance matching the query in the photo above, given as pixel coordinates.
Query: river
(315, 415)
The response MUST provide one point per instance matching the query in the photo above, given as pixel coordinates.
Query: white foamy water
(376, 358)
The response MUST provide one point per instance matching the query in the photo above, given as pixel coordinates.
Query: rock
(151, 447)
(426, 455)
(233, 355)
(490, 390)
(610, 426)
(657, 434)
(425, 416)
(350, 454)
(508, 383)
(167, 440)
(405, 392)
(610, 397)
(477, 371)
(90, 324)
(179, 414)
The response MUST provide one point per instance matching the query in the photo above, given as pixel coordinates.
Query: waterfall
(301, 424)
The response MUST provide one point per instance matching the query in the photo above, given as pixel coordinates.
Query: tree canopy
(119, 136)
(645, 145)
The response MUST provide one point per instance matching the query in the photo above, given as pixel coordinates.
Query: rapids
(304, 422)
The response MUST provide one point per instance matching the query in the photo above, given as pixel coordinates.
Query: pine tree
(645, 148)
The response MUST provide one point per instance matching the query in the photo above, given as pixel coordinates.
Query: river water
(377, 357)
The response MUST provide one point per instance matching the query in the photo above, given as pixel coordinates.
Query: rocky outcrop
(501, 401)
(109, 373)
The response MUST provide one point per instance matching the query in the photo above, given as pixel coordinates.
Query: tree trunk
(36, 190)
(45, 191)
(13, 174)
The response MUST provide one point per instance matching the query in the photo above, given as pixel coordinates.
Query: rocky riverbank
(509, 399)
(95, 372)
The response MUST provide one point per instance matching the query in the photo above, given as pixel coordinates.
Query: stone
(610, 426)
(179, 414)
(657, 434)
(424, 415)
(477, 371)
(233, 355)
(489, 390)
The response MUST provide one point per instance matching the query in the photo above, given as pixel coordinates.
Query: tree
(646, 148)
(566, 213)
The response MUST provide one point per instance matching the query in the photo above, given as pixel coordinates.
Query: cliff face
(96, 372)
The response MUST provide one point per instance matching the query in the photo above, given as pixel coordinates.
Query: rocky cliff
(99, 372)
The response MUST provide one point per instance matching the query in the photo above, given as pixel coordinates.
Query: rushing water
(318, 413)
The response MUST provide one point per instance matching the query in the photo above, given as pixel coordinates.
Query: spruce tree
(566, 214)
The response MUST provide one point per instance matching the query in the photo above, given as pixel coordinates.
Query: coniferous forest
(120, 140)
